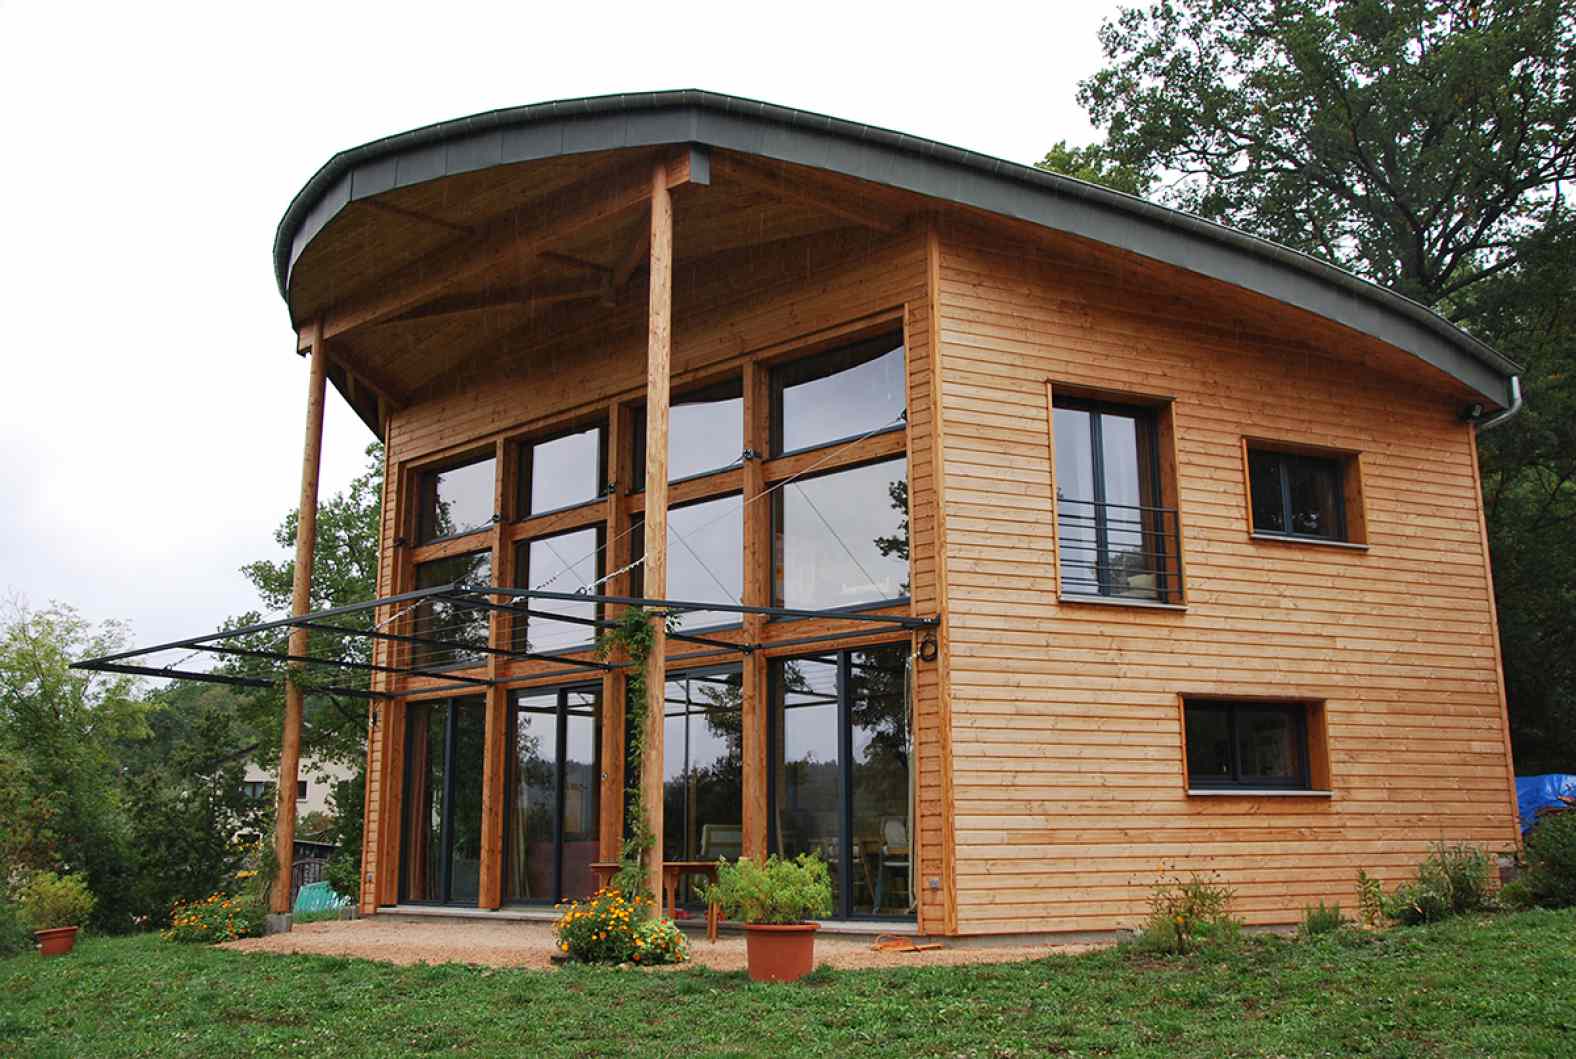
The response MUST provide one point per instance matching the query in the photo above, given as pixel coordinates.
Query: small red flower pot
(56, 942)
(780, 952)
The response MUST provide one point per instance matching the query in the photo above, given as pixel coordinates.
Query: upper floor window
(842, 538)
(448, 628)
(456, 499)
(562, 471)
(705, 432)
(705, 558)
(1114, 539)
(842, 394)
(1299, 494)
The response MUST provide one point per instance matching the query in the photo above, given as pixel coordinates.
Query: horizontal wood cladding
(1068, 785)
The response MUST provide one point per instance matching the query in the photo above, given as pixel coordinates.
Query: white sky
(150, 405)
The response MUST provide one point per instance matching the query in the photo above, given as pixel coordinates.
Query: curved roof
(926, 167)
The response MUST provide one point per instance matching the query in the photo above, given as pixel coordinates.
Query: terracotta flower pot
(56, 942)
(780, 952)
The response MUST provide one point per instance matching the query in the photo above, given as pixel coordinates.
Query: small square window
(1304, 495)
(1250, 745)
(562, 471)
(456, 500)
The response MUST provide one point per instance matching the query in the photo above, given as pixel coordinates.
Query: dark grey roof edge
(869, 152)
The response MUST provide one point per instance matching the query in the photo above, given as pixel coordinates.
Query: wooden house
(1026, 539)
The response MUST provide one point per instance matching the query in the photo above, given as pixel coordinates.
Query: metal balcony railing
(1119, 551)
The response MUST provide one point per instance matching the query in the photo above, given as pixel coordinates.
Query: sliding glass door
(840, 779)
(555, 787)
(703, 766)
(440, 859)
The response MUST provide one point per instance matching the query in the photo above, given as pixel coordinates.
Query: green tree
(1425, 145)
(1094, 163)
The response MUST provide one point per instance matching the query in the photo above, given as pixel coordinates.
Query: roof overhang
(925, 167)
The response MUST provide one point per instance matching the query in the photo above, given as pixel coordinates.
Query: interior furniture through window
(552, 813)
(455, 500)
(1297, 494)
(440, 857)
(1246, 744)
(702, 766)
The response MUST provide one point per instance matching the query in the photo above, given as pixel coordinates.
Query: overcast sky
(151, 406)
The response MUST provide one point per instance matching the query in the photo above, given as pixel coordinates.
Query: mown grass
(1497, 986)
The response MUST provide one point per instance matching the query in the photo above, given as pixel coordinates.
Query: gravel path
(529, 944)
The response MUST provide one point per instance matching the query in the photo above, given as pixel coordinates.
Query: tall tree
(1425, 145)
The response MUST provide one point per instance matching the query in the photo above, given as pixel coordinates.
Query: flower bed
(214, 919)
(610, 928)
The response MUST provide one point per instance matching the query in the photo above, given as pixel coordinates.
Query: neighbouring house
(1024, 538)
(314, 784)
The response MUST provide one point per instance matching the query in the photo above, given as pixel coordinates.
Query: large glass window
(1114, 539)
(702, 765)
(841, 394)
(456, 500)
(841, 785)
(562, 472)
(441, 853)
(565, 562)
(1297, 495)
(555, 784)
(438, 619)
(705, 558)
(705, 432)
(842, 538)
(1243, 744)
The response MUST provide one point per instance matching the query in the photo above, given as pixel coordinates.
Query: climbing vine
(632, 634)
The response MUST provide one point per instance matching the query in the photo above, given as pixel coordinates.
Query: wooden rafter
(508, 297)
(416, 215)
(804, 190)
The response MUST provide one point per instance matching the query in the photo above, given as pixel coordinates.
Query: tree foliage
(1422, 144)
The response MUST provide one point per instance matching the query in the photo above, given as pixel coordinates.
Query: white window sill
(1278, 538)
(1255, 792)
(1121, 601)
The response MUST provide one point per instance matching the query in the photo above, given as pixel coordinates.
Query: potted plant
(774, 900)
(56, 906)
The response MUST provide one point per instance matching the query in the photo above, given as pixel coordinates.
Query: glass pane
(705, 432)
(1132, 550)
(439, 619)
(582, 789)
(703, 774)
(1208, 744)
(422, 854)
(1268, 742)
(563, 472)
(1315, 498)
(842, 539)
(469, 753)
(457, 500)
(567, 562)
(1075, 508)
(705, 559)
(807, 800)
(838, 395)
(533, 800)
(1264, 482)
(878, 766)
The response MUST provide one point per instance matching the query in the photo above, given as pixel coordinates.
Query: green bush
(1184, 914)
(1550, 877)
(1321, 919)
(779, 891)
(1451, 881)
(50, 901)
(14, 935)
(218, 917)
(612, 928)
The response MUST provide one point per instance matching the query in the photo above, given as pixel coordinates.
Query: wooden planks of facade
(1069, 784)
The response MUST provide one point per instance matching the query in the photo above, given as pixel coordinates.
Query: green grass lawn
(1493, 986)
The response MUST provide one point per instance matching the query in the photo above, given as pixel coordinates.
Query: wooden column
(620, 547)
(757, 593)
(659, 351)
(495, 732)
(300, 603)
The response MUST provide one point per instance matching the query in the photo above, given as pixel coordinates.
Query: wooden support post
(495, 726)
(659, 351)
(614, 682)
(757, 593)
(300, 603)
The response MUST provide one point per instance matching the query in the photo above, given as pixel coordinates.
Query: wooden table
(672, 872)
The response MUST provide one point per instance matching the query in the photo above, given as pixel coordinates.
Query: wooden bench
(672, 872)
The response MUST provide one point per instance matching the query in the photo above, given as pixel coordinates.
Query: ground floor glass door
(840, 780)
(442, 829)
(555, 784)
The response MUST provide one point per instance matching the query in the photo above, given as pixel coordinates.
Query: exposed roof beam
(798, 190)
(510, 297)
(520, 235)
(416, 215)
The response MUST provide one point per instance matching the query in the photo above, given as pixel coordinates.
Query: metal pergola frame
(474, 598)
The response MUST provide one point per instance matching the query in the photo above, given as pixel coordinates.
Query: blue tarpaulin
(1538, 792)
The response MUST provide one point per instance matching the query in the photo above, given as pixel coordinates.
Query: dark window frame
(726, 387)
(451, 721)
(422, 610)
(778, 560)
(1336, 464)
(560, 713)
(525, 468)
(778, 381)
(1296, 711)
(426, 495)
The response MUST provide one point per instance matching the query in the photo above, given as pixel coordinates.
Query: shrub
(612, 928)
(1451, 881)
(1186, 913)
(218, 917)
(1321, 919)
(1550, 877)
(781, 890)
(50, 901)
(14, 935)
